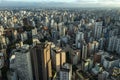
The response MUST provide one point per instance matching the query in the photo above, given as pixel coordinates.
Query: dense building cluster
(60, 44)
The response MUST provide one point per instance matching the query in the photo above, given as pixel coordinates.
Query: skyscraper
(98, 30)
(41, 62)
(92, 47)
(66, 72)
(112, 43)
(21, 62)
(79, 38)
(84, 51)
(58, 58)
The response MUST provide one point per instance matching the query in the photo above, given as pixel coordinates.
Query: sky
(43, 0)
(86, 2)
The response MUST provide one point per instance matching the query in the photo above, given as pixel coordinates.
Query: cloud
(100, 2)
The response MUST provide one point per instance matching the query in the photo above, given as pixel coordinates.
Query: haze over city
(63, 3)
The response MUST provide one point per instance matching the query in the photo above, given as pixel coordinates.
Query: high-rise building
(87, 64)
(58, 58)
(103, 75)
(20, 61)
(25, 22)
(75, 56)
(1, 60)
(112, 43)
(1, 30)
(101, 43)
(97, 57)
(79, 38)
(62, 30)
(2, 42)
(12, 75)
(98, 30)
(84, 51)
(1, 63)
(118, 46)
(41, 61)
(66, 72)
(92, 47)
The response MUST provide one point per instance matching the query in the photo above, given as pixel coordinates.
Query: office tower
(24, 36)
(118, 46)
(55, 26)
(103, 75)
(1, 60)
(110, 62)
(5, 54)
(79, 38)
(54, 35)
(2, 42)
(96, 45)
(101, 43)
(34, 31)
(0, 75)
(97, 69)
(15, 35)
(20, 61)
(41, 62)
(84, 51)
(98, 30)
(75, 56)
(92, 47)
(88, 36)
(64, 41)
(58, 58)
(25, 22)
(62, 30)
(14, 19)
(32, 23)
(52, 22)
(97, 57)
(12, 75)
(66, 72)
(1, 63)
(46, 21)
(112, 43)
(1, 30)
(84, 65)
(113, 32)
(87, 64)
(65, 18)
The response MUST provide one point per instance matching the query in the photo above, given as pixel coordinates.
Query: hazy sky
(43, 0)
(107, 1)
(86, 2)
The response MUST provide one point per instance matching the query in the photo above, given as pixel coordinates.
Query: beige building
(58, 58)
(41, 61)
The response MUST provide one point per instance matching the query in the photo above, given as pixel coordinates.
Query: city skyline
(52, 42)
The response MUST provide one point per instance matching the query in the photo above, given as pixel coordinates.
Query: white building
(114, 44)
(79, 37)
(98, 30)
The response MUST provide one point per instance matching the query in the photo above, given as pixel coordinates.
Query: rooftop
(57, 49)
